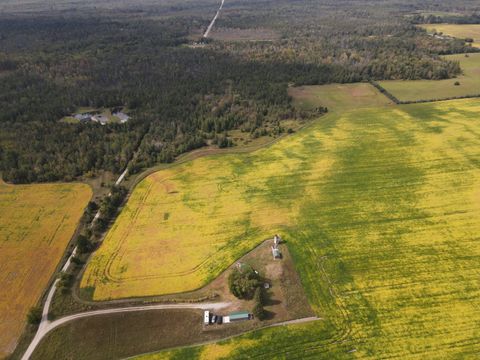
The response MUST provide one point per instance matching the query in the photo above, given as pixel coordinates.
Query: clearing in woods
(461, 31)
(337, 97)
(36, 224)
(413, 90)
(379, 207)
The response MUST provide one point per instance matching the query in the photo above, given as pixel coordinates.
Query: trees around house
(258, 309)
(243, 282)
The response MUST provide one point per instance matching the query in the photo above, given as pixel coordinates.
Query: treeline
(448, 19)
(401, 102)
(51, 151)
(182, 97)
(368, 40)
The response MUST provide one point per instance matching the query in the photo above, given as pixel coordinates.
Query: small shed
(276, 253)
(276, 240)
(239, 316)
(206, 317)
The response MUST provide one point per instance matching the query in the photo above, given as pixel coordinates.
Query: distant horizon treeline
(180, 97)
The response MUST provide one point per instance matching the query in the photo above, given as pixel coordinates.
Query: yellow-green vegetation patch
(36, 224)
(468, 84)
(461, 31)
(380, 210)
(338, 97)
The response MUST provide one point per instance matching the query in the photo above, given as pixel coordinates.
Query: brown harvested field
(122, 335)
(117, 336)
(36, 224)
(259, 34)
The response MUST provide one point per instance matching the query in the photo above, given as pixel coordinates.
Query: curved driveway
(46, 326)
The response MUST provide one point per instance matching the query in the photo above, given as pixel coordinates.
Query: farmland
(36, 224)
(461, 31)
(337, 96)
(379, 207)
(413, 90)
(122, 335)
(182, 226)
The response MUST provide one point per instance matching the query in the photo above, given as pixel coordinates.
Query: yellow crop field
(36, 224)
(182, 226)
(379, 207)
(461, 31)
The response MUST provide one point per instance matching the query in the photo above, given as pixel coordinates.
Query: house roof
(121, 116)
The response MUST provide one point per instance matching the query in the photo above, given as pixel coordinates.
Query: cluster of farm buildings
(210, 318)
(100, 118)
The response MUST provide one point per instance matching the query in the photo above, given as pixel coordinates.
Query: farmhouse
(102, 119)
(121, 116)
(83, 117)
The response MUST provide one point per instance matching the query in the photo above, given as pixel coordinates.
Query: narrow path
(43, 328)
(122, 176)
(46, 326)
(213, 21)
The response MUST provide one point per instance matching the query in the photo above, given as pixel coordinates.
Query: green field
(461, 31)
(337, 97)
(413, 90)
(382, 208)
(199, 217)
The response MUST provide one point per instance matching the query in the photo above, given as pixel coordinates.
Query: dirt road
(213, 21)
(46, 326)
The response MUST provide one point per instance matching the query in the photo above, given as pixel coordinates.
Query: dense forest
(450, 19)
(181, 94)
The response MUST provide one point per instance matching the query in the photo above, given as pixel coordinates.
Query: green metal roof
(239, 315)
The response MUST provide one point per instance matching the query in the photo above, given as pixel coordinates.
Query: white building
(102, 119)
(276, 253)
(121, 116)
(276, 240)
